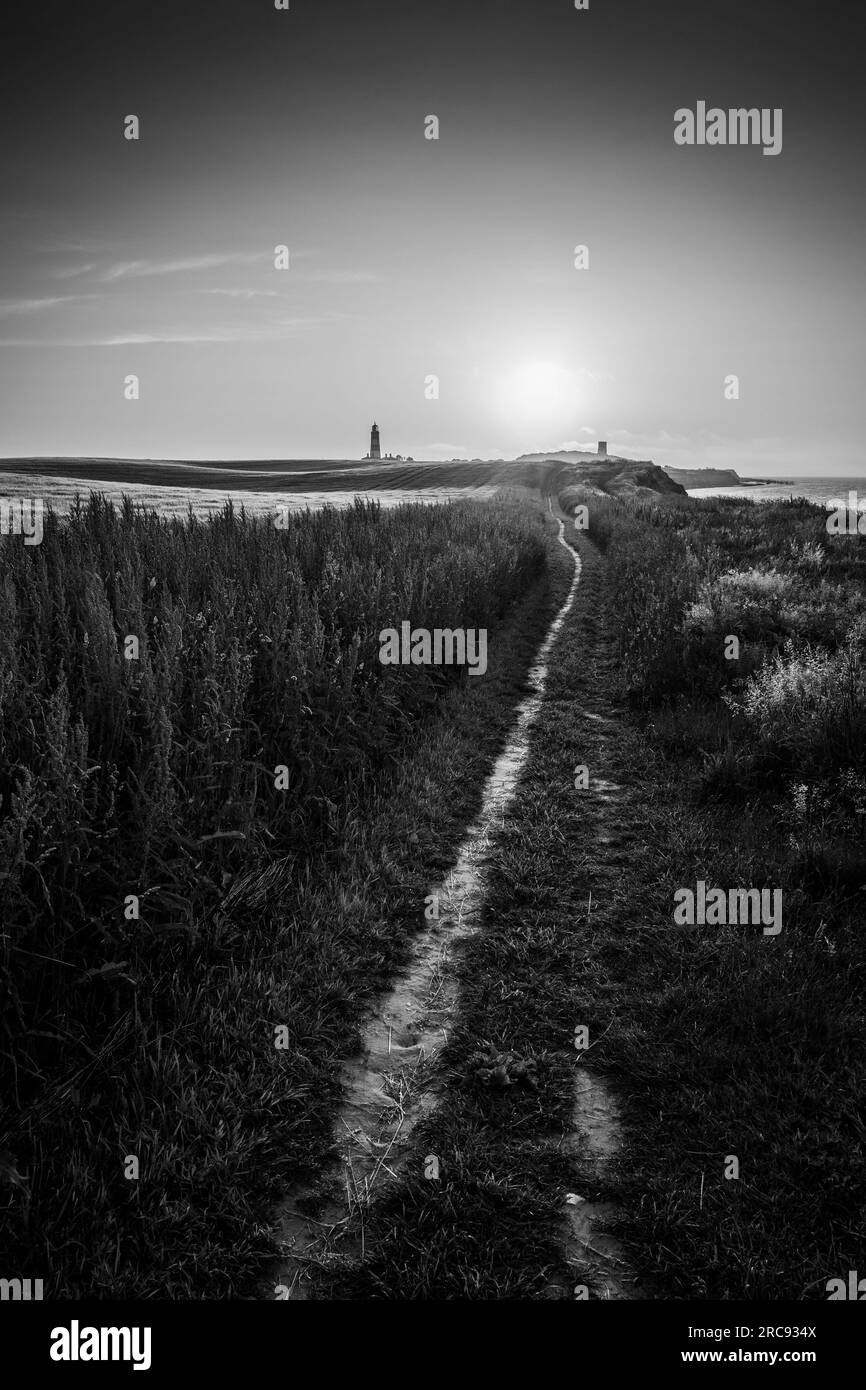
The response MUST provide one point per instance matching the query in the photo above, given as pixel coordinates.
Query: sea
(827, 492)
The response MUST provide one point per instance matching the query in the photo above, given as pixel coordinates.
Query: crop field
(288, 476)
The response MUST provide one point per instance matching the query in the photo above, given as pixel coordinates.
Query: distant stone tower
(375, 451)
(602, 448)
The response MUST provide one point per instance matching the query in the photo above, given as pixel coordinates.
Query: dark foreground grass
(719, 1043)
(729, 1044)
(168, 1057)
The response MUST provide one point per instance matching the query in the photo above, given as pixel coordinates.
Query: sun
(538, 392)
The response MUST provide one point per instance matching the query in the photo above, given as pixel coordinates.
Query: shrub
(810, 704)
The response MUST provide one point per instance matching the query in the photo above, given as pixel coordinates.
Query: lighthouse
(375, 451)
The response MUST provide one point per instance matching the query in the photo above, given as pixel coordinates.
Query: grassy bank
(751, 773)
(153, 1037)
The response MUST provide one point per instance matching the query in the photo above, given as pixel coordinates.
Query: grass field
(719, 1043)
(153, 1037)
(745, 772)
(166, 908)
(289, 475)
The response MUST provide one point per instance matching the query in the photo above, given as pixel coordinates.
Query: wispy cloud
(32, 306)
(306, 277)
(276, 331)
(110, 271)
(71, 271)
(124, 270)
(215, 335)
(245, 293)
(340, 277)
(80, 246)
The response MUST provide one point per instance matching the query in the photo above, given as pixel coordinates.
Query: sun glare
(538, 392)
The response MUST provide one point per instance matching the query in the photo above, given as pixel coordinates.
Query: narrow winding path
(393, 1083)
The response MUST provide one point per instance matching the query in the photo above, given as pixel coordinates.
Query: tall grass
(687, 576)
(781, 726)
(153, 779)
(745, 772)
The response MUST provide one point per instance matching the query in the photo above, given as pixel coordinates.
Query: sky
(412, 258)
